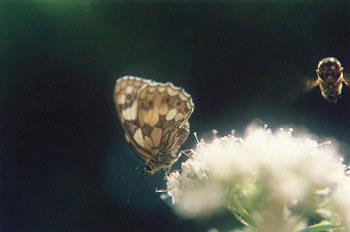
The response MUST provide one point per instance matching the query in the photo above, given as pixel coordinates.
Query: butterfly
(154, 117)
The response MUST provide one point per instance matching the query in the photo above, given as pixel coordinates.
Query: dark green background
(61, 143)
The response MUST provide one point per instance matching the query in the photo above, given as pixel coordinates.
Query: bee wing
(346, 77)
(299, 88)
(125, 98)
(163, 113)
(310, 84)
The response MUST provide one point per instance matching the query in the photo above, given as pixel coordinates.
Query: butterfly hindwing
(163, 112)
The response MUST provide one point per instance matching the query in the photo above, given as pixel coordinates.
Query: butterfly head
(148, 170)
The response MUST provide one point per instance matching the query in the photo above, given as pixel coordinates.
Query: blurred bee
(330, 79)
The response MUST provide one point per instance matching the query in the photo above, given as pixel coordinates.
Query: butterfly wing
(125, 98)
(163, 113)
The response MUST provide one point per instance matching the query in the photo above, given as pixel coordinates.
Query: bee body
(330, 78)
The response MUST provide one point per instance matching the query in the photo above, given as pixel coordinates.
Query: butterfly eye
(178, 103)
(186, 110)
(167, 99)
(128, 97)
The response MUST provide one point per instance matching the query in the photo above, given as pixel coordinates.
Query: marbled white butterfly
(155, 119)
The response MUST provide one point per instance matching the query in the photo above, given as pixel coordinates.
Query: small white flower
(271, 181)
(187, 188)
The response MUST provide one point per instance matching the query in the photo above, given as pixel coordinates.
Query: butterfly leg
(161, 190)
(187, 152)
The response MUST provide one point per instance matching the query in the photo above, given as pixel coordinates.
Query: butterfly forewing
(125, 98)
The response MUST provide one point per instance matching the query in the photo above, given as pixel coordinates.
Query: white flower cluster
(270, 181)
